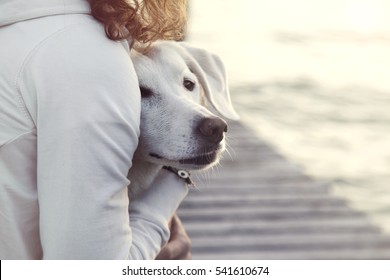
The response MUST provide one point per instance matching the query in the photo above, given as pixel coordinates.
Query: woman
(69, 124)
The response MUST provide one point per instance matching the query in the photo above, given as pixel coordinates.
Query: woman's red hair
(143, 21)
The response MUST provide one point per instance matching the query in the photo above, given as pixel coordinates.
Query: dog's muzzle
(209, 134)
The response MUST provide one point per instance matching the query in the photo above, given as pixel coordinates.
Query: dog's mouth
(199, 161)
(204, 159)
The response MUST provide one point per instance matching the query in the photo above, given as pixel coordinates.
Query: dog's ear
(211, 73)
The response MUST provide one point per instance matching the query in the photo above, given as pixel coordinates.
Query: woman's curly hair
(143, 21)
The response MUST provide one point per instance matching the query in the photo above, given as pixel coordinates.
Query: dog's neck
(142, 174)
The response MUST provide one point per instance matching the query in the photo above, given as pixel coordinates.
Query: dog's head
(177, 82)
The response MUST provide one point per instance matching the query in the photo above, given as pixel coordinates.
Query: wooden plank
(259, 229)
(308, 242)
(282, 201)
(253, 214)
(258, 205)
(351, 254)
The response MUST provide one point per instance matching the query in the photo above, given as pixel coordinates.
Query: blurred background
(311, 77)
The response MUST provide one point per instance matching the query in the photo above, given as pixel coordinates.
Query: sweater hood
(12, 11)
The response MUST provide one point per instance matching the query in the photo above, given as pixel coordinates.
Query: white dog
(177, 81)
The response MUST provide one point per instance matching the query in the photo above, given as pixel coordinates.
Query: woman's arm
(156, 206)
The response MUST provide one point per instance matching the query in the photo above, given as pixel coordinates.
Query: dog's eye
(188, 84)
(146, 92)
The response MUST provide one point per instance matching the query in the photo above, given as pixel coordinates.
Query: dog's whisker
(208, 175)
(229, 149)
(228, 152)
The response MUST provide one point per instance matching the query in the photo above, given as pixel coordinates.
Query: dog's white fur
(170, 112)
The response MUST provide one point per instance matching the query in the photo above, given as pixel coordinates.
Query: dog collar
(182, 174)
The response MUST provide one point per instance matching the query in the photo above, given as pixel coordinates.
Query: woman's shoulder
(80, 39)
(80, 63)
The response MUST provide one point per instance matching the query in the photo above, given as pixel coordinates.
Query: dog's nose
(212, 129)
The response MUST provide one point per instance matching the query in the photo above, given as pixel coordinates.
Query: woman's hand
(179, 244)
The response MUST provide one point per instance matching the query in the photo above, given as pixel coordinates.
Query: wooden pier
(258, 205)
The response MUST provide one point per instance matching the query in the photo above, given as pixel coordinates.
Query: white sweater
(69, 125)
